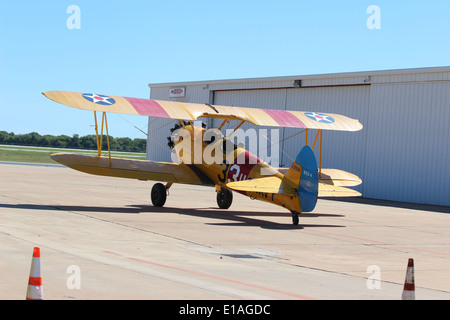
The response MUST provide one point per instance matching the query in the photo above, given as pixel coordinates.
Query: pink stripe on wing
(147, 107)
(285, 118)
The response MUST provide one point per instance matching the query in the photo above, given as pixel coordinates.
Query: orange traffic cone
(409, 287)
(34, 291)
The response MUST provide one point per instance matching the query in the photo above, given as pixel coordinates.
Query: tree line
(76, 142)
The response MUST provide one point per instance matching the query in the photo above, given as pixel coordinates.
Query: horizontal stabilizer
(270, 184)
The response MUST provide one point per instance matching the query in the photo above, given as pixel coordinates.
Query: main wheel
(158, 195)
(224, 198)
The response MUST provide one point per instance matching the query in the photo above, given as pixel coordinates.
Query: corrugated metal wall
(407, 150)
(403, 152)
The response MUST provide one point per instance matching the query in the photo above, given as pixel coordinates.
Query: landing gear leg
(224, 198)
(159, 194)
(295, 218)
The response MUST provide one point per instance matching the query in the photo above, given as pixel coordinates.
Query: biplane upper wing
(193, 111)
(134, 169)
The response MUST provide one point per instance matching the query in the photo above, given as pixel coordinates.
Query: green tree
(64, 141)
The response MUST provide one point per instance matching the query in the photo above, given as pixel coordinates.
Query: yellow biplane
(235, 169)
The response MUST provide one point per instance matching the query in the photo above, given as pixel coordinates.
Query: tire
(295, 218)
(158, 195)
(224, 198)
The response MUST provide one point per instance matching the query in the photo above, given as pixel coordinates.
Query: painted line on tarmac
(214, 277)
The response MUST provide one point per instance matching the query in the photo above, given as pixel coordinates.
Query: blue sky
(124, 45)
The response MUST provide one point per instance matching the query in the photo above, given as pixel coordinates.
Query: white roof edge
(317, 76)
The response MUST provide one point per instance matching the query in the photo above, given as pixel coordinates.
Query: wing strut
(99, 148)
(319, 132)
(100, 143)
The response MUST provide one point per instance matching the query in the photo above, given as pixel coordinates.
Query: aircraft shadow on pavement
(234, 217)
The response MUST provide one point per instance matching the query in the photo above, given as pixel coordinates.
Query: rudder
(304, 176)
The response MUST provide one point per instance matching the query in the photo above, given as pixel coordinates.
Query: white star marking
(96, 98)
(320, 117)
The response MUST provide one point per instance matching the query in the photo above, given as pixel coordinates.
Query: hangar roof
(310, 77)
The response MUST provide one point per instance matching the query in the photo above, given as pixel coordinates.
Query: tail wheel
(158, 195)
(224, 198)
(295, 218)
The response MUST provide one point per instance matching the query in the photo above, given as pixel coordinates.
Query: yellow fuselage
(222, 162)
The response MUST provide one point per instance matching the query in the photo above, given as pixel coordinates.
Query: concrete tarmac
(101, 238)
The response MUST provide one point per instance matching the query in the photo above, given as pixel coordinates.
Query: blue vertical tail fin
(303, 175)
(309, 179)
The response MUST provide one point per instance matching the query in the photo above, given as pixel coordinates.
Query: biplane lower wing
(133, 169)
(334, 177)
(326, 190)
(333, 183)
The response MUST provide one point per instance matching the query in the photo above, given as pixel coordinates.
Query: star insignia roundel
(99, 99)
(319, 117)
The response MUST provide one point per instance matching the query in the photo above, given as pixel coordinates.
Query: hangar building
(403, 152)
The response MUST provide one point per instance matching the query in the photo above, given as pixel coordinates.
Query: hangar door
(408, 146)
